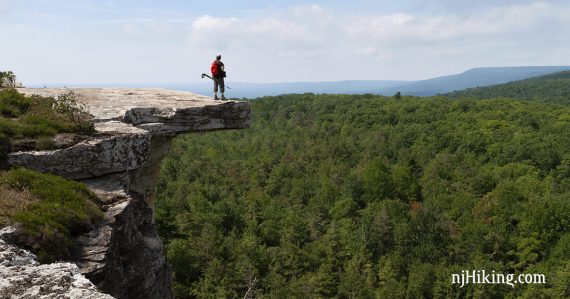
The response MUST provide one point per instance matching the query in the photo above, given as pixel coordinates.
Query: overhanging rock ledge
(123, 256)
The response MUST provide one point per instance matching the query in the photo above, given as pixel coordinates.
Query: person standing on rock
(218, 74)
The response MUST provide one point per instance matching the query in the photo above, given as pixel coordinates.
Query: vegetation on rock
(7, 79)
(35, 120)
(49, 210)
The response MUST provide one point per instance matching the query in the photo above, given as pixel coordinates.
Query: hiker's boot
(223, 98)
(216, 98)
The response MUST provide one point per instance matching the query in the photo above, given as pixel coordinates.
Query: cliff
(123, 255)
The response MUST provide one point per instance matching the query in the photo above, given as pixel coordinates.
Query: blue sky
(124, 41)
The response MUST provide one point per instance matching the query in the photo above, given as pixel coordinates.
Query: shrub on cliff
(7, 79)
(74, 112)
(50, 211)
(37, 119)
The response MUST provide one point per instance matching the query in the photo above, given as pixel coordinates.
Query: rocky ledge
(123, 255)
(21, 276)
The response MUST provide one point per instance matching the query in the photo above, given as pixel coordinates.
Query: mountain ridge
(475, 77)
(553, 87)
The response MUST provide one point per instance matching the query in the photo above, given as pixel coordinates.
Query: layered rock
(129, 120)
(21, 276)
(123, 256)
(124, 253)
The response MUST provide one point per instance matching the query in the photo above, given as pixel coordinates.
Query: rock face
(124, 253)
(123, 256)
(21, 276)
(89, 159)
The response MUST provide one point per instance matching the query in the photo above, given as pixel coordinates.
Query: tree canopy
(553, 88)
(368, 196)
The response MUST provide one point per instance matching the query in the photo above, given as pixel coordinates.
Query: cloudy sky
(174, 41)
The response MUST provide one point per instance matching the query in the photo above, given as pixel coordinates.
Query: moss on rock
(55, 212)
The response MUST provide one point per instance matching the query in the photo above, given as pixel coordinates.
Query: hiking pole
(205, 75)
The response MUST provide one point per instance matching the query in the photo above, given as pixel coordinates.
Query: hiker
(218, 74)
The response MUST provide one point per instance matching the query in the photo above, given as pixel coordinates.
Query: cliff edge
(123, 255)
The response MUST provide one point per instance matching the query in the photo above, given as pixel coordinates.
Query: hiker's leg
(215, 89)
(222, 88)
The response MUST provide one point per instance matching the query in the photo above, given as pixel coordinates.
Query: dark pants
(220, 82)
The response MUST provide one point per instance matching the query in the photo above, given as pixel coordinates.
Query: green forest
(364, 196)
(553, 88)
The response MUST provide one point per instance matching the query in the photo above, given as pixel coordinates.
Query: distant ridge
(253, 90)
(472, 78)
(552, 88)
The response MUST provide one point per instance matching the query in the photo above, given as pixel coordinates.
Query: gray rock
(133, 117)
(123, 255)
(21, 276)
(90, 158)
(146, 105)
(9, 233)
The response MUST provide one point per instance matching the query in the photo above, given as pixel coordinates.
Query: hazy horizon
(207, 81)
(470, 78)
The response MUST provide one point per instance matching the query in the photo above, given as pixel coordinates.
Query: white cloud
(314, 15)
(307, 27)
(299, 43)
(210, 24)
(252, 34)
(315, 38)
(398, 29)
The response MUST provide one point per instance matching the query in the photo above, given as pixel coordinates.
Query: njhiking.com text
(483, 277)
